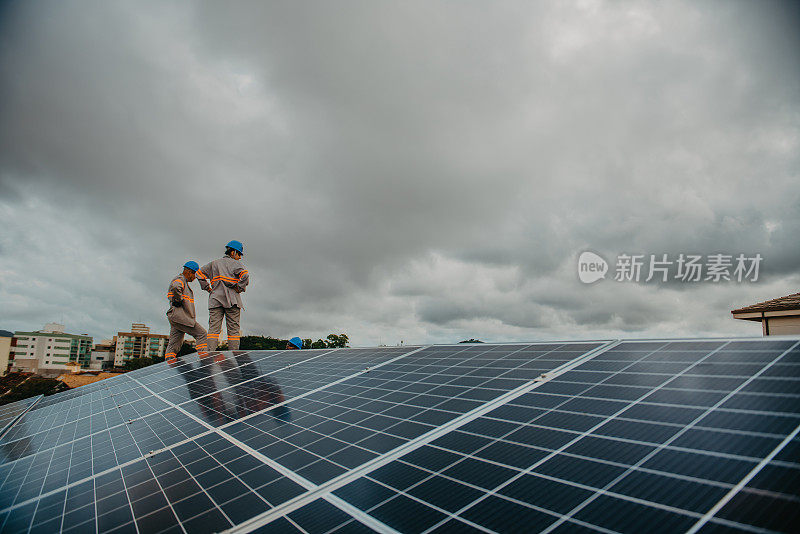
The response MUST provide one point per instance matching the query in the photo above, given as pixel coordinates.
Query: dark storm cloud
(418, 171)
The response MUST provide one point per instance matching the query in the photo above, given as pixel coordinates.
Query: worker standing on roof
(225, 279)
(181, 312)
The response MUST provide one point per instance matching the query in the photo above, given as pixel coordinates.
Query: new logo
(591, 267)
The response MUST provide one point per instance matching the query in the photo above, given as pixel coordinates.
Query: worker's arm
(242, 277)
(175, 293)
(204, 277)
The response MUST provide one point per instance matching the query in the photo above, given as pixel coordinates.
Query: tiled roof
(789, 302)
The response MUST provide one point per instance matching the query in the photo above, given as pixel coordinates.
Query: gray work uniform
(225, 279)
(181, 317)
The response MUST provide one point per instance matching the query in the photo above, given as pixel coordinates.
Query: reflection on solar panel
(10, 412)
(609, 436)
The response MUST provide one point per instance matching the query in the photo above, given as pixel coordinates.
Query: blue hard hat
(297, 342)
(236, 245)
(191, 265)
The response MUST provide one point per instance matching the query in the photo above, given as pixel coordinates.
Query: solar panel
(642, 436)
(598, 435)
(9, 413)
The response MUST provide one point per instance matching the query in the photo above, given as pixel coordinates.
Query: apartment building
(138, 343)
(6, 346)
(50, 351)
(103, 355)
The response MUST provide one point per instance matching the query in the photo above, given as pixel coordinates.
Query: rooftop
(789, 302)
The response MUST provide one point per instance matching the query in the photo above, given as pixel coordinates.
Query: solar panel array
(609, 436)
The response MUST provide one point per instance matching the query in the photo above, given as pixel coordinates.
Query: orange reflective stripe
(186, 297)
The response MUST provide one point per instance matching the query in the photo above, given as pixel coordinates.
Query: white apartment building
(103, 355)
(138, 343)
(49, 351)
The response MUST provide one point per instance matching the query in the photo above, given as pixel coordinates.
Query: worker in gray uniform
(181, 312)
(225, 279)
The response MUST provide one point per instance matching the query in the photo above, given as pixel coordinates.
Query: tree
(262, 343)
(339, 341)
(471, 341)
(272, 343)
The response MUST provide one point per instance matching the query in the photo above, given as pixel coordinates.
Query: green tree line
(332, 341)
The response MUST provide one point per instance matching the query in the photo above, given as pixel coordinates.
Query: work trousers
(176, 333)
(215, 326)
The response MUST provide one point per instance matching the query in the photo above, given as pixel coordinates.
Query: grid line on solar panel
(462, 488)
(141, 451)
(58, 415)
(316, 516)
(742, 483)
(775, 384)
(710, 409)
(279, 468)
(35, 440)
(641, 461)
(187, 486)
(334, 483)
(285, 471)
(109, 447)
(82, 459)
(605, 352)
(618, 441)
(352, 432)
(341, 355)
(106, 420)
(63, 478)
(253, 393)
(166, 378)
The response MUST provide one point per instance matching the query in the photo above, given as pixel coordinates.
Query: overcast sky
(416, 171)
